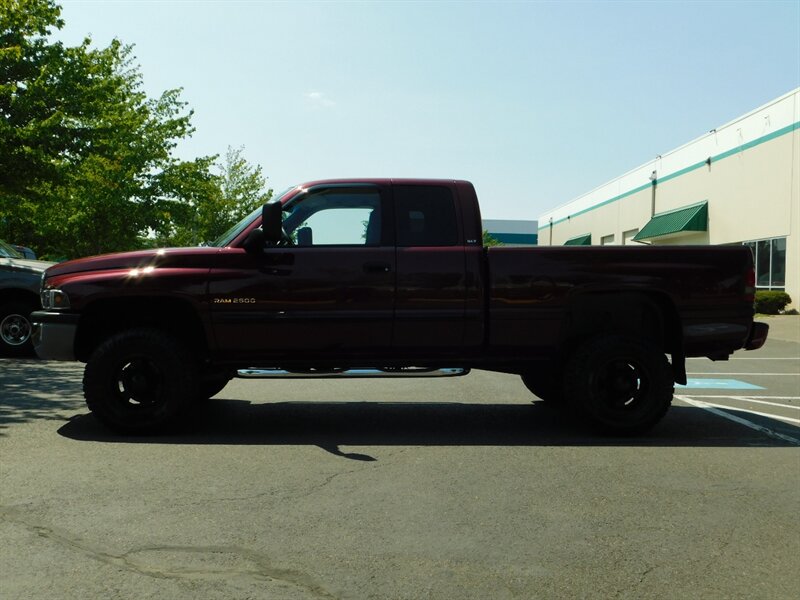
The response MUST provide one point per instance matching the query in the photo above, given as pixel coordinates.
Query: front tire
(16, 329)
(140, 381)
(211, 386)
(621, 385)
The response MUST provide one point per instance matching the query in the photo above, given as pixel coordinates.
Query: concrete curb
(782, 327)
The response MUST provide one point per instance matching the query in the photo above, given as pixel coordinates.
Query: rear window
(425, 216)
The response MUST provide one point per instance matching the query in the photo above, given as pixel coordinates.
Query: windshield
(7, 251)
(227, 237)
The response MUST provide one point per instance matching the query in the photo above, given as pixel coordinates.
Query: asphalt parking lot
(458, 488)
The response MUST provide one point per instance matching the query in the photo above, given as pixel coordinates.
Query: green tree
(86, 162)
(41, 86)
(233, 189)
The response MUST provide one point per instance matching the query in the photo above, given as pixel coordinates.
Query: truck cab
(361, 270)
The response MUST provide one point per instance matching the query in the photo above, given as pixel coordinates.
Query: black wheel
(140, 381)
(546, 382)
(16, 329)
(211, 386)
(620, 384)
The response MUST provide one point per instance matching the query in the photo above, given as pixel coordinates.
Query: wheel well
(651, 316)
(103, 318)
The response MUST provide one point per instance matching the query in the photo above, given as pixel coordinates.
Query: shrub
(771, 302)
(488, 240)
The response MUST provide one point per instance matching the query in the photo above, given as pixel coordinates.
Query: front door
(328, 292)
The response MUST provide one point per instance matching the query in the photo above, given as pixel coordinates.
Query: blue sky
(534, 102)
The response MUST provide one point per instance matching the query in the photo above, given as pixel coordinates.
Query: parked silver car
(20, 279)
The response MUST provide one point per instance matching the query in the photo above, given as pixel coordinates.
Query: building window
(627, 237)
(770, 260)
(607, 240)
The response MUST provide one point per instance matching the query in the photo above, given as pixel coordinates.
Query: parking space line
(751, 396)
(755, 412)
(746, 358)
(770, 374)
(721, 413)
(749, 399)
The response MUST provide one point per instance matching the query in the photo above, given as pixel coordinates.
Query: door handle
(275, 271)
(377, 267)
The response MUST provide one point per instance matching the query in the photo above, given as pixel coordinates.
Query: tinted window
(335, 218)
(778, 262)
(762, 263)
(425, 216)
(769, 258)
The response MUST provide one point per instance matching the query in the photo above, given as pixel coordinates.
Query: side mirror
(254, 242)
(271, 222)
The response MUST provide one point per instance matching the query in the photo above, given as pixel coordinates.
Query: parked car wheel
(140, 381)
(623, 385)
(16, 329)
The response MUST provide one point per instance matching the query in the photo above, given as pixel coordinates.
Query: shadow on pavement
(31, 390)
(329, 425)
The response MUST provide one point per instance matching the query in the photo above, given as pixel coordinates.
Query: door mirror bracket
(254, 242)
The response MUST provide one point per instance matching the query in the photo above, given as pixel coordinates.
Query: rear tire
(621, 385)
(16, 329)
(140, 381)
(546, 382)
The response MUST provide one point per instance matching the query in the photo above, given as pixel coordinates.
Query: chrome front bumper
(54, 334)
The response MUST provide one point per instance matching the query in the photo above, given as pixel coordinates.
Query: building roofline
(544, 217)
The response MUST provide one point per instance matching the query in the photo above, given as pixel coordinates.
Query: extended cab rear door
(432, 285)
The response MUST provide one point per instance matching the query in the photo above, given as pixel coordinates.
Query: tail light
(750, 283)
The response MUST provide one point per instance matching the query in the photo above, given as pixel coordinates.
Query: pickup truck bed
(692, 296)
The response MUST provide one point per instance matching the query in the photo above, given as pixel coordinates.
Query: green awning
(580, 240)
(679, 220)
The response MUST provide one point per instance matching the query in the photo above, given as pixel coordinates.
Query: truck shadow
(32, 390)
(329, 425)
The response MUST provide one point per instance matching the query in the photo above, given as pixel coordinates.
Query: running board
(350, 373)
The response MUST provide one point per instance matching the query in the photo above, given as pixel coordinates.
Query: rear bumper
(757, 337)
(54, 334)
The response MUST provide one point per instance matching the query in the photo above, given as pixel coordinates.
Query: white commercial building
(512, 232)
(737, 184)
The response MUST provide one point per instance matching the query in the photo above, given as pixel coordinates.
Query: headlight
(54, 300)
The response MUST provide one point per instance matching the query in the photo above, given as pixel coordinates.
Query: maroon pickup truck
(382, 277)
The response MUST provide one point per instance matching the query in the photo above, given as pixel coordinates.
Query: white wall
(752, 186)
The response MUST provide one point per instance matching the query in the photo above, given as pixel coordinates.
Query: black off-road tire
(546, 382)
(16, 329)
(140, 381)
(210, 386)
(619, 384)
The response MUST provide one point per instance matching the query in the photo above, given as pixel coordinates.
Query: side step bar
(254, 373)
